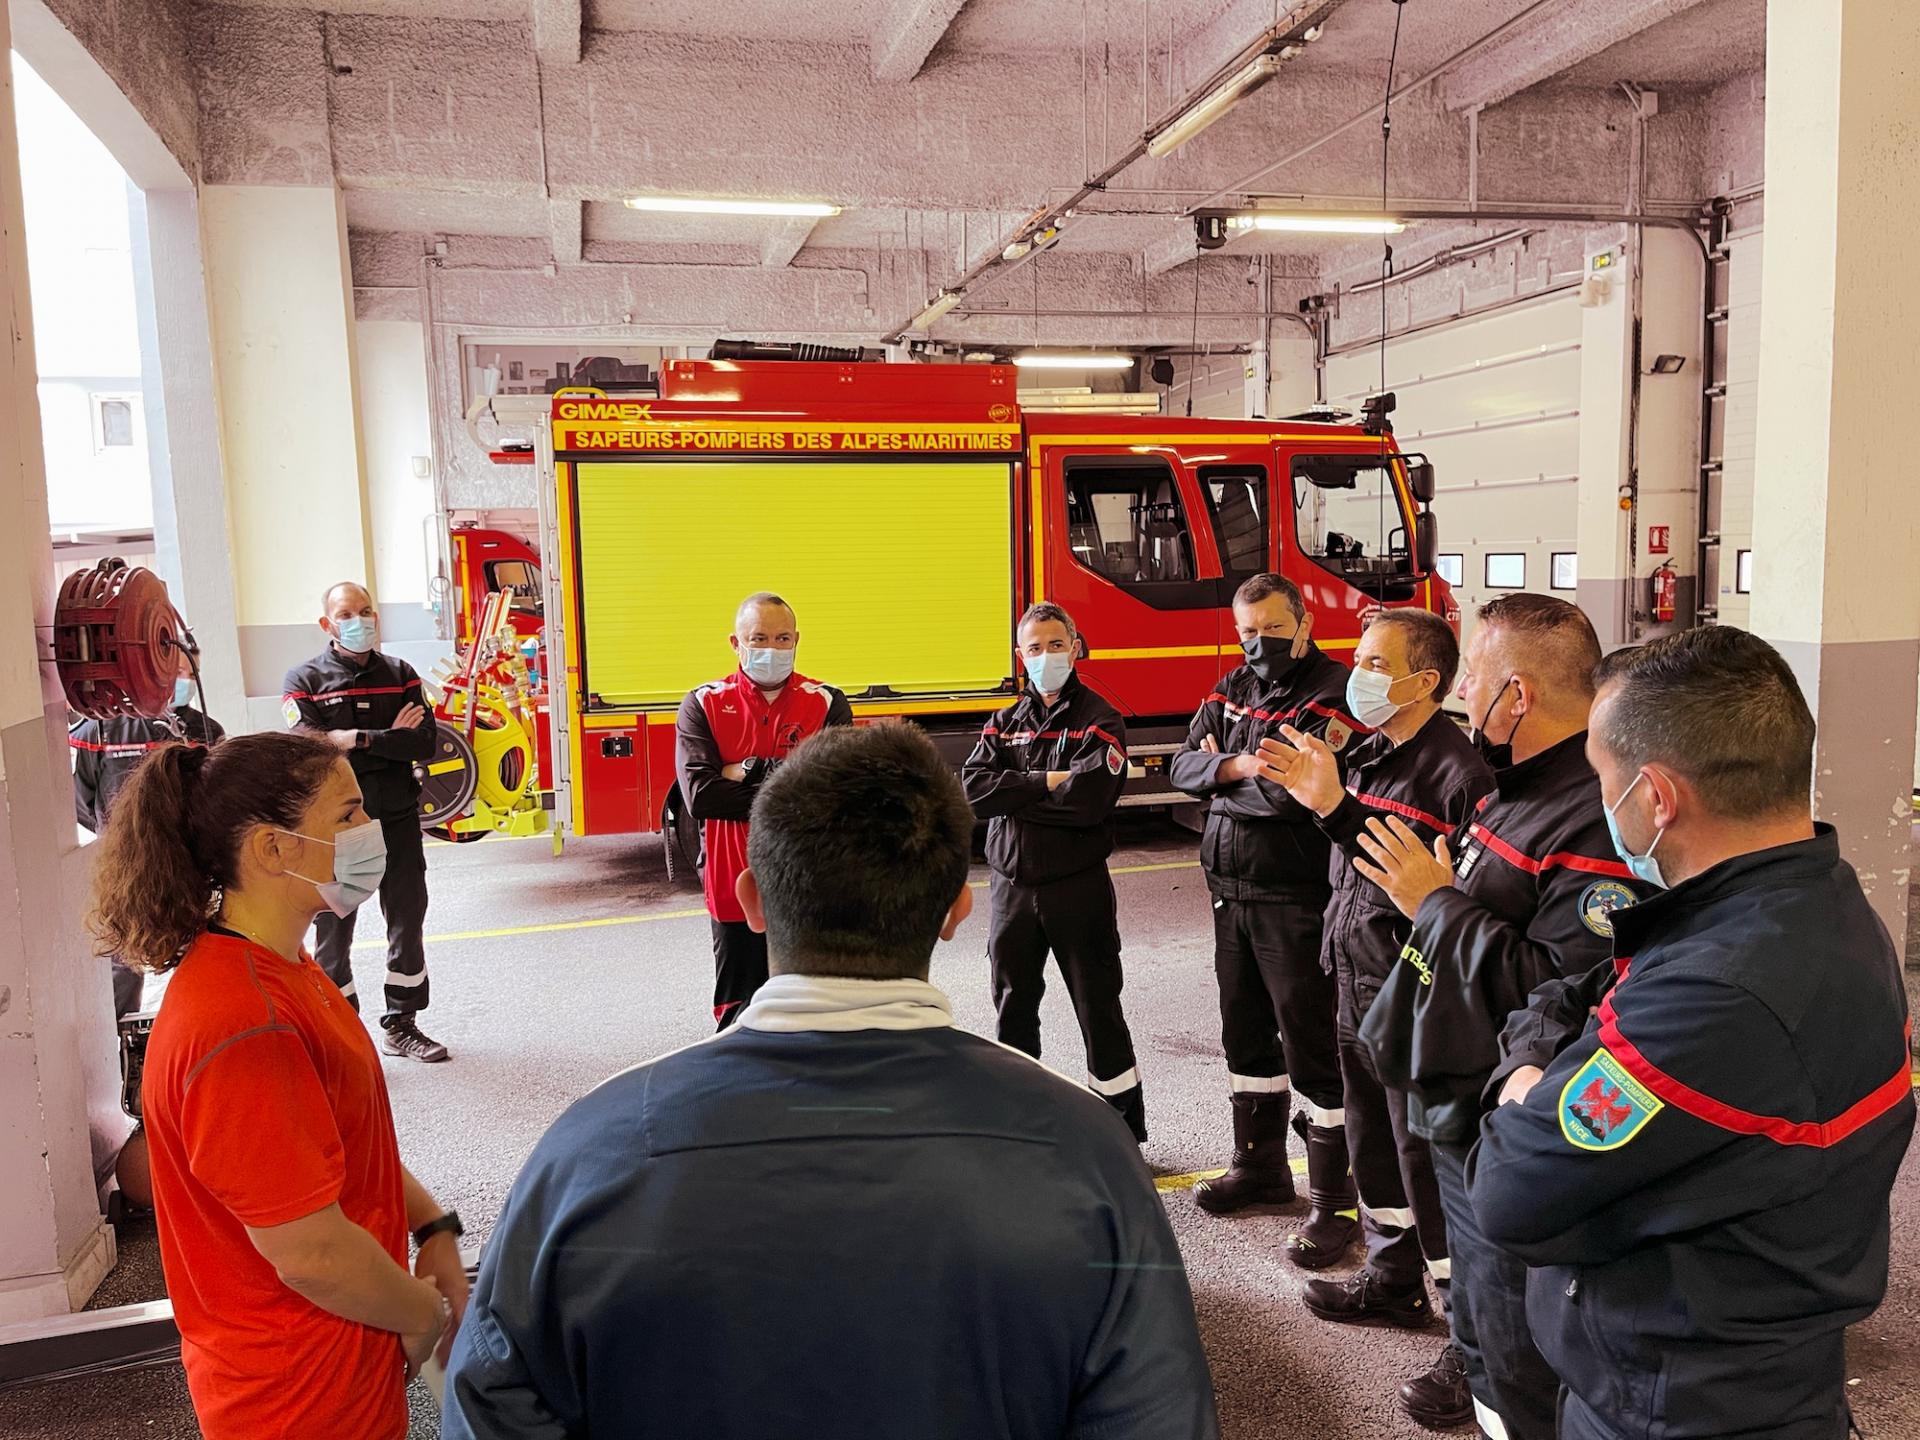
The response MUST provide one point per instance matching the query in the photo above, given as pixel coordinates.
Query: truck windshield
(1348, 520)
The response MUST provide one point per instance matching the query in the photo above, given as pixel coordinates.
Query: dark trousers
(1507, 1373)
(403, 901)
(739, 968)
(127, 985)
(1074, 918)
(1276, 1003)
(1405, 1227)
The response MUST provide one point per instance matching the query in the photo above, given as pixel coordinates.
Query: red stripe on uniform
(1075, 735)
(346, 694)
(1819, 1134)
(1561, 859)
(1380, 802)
(1342, 717)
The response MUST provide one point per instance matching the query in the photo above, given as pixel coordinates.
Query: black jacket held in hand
(1535, 882)
(1035, 835)
(1702, 1177)
(1259, 842)
(332, 692)
(1431, 784)
(106, 752)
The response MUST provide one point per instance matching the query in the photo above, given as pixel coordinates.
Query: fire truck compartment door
(900, 573)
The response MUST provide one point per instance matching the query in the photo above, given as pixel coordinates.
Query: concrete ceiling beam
(1170, 253)
(906, 34)
(785, 241)
(564, 228)
(556, 31)
(1555, 39)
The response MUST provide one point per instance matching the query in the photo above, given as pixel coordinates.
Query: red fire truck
(908, 513)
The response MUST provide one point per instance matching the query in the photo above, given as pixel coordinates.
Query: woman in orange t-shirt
(282, 1205)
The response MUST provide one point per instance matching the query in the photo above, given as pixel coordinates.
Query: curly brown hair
(173, 840)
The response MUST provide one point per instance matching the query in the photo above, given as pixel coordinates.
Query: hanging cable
(1386, 260)
(1193, 349)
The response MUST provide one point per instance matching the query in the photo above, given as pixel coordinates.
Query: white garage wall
(394, 421)
(1493, 401)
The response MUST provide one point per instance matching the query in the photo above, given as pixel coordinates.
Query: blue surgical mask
(182, 690)
(359, 865)
(1367, 697)
(769, 669)
(356, 636)
(1644, 867)
(1048, 673)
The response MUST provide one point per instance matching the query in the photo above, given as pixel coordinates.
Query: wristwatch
(447, 1224)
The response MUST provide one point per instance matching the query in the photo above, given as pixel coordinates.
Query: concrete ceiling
(937, 124)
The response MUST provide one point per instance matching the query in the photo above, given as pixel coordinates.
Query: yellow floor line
(612, 920)
(1164, 1183)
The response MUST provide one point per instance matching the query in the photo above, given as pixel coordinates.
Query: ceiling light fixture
(1067, 360)
(936, 307)
(1209, 109)
(690, 205)
(1317, 224)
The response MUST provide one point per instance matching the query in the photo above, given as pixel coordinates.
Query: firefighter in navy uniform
(1528, 900)
(1419, 766)
(1702, 1175)
(1266, 865)
(106, 752)
(730, 735)
(372, 708)
(1046, 776)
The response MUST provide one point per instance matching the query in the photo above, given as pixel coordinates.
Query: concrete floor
(550, 975)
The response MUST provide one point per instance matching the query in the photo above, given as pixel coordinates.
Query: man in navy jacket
(947, 1239)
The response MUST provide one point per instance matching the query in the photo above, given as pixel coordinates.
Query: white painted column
(1836, 526)
(194, 547)
(280, 298)
(1606, 380)
(56, 1010)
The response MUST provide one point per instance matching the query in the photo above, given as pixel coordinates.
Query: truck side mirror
(1426, 542)
(1420, 481)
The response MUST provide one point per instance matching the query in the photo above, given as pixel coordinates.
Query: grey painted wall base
(1862, 695)
(267, 652)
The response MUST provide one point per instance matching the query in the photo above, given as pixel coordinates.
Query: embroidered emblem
(1337, 734)
(1116, 762)
(290, 711)
(1603, 1107)
(1598, 902)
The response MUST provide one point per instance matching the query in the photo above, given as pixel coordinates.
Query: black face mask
(1500, 756)
(1270, 657)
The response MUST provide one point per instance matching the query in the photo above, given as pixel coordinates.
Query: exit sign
(1657, 539)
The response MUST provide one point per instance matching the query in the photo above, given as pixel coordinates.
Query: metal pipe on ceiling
(1302, 17)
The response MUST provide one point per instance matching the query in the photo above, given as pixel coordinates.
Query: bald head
(344, 600)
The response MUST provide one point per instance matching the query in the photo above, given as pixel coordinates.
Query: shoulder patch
(1598, 902)
(1338, 733)
(1116, 762)
(1603, 1107)
(290, 711)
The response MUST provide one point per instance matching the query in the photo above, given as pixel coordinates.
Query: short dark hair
(1717, 706)
(860, 845)
(1043, 612)
(1431, 643)
(1259, 587)
(1557, 637)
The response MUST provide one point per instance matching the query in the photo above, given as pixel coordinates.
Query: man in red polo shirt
(731, 734)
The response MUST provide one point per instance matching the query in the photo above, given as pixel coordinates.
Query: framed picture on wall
(516, 370)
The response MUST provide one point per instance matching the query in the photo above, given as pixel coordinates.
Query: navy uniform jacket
(106, 752)
(1259, 842)
(331, 692)
(1703, 1175)
(1034, 835)
(833, 1233)
(1432, 784)
(1534, 884)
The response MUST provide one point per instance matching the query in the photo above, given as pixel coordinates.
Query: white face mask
(769, 668)
(359, 865)
(1369, 696)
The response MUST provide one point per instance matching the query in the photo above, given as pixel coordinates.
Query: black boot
(1364, 1298)
(1333, 1219)
(1259, 1174)
(1440, 1399)
(1132, 1106)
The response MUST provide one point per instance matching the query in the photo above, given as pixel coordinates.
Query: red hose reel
(116, 641)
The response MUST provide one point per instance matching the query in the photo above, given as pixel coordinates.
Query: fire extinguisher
(1666, 592)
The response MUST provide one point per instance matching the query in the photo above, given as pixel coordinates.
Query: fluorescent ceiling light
(937, 307)
(690, 205)
(1210, 109)
(1317, 224)
(1067, 360)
